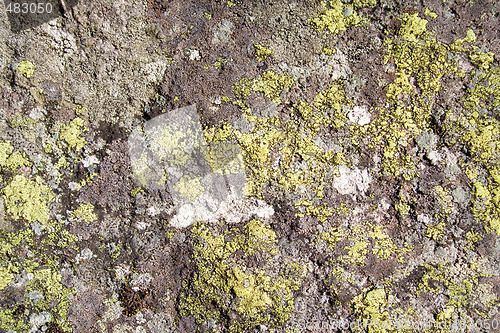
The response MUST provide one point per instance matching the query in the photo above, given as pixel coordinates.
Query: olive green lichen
(26, 68)
(261, 296)
(262, 52)
(370, 306)
(337, 18)
(71, 134)
(85, 212)
(11, 159)
(28, 198)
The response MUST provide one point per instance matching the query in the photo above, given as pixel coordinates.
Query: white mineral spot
(351, 180)
(194, 55)
(90, 160)
(206, 181)
(39, 319)
(37, 113)
(359, 115)
(85, 254)
(154, 71)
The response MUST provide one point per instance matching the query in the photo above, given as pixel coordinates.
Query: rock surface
(369, 135)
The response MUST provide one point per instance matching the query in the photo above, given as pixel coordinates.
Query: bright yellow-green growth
(459, 287)
(263, 295)
(337, 18)
(412, 27)
(262, 52)
(26, 68)
(369, 305)
(28, 198)
(329, 50)
(430, 13)
(420, 61)
(357, 252)
(56, 296)
(85, 212)
(6, 277)
(189, 187)
(11, 159)
(272, 84)
(71, 134)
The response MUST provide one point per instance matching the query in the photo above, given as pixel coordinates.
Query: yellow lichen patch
(459, 288)
(189, 187)
(430, 13)
(135, 191)
(28, 199)
(262, 52)
(370, 306)
(251, 289)
(420, 61)
(85, 212)
(445, 200)
(412, 27)
(9, 321)
(384, 247)
(6, 277)
(322, 212)
(26, 68)
(329, 50)
(56, 296)
(364, 238)
(71, 134)
(337, 18)
(482, 137)
(435, 231)
(272, 84)
(357, 253)
(262, 295)
(257, 236)
(11, 159)
(220, 61)
(290, 140)
(481, 134)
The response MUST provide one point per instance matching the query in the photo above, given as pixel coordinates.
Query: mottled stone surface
(362, 139)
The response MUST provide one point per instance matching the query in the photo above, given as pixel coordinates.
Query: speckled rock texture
(362, 138)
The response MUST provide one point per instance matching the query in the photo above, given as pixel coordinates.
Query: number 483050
(29, 8)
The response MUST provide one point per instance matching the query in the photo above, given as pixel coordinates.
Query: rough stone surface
(369, 134)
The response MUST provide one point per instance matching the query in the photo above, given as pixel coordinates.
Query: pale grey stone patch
(460, 195)
(427, 140)
(359, 115)
(35, 296)
(222, 32)
(243, 125)
(39, 319)
(351, 180)
(170, 151)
